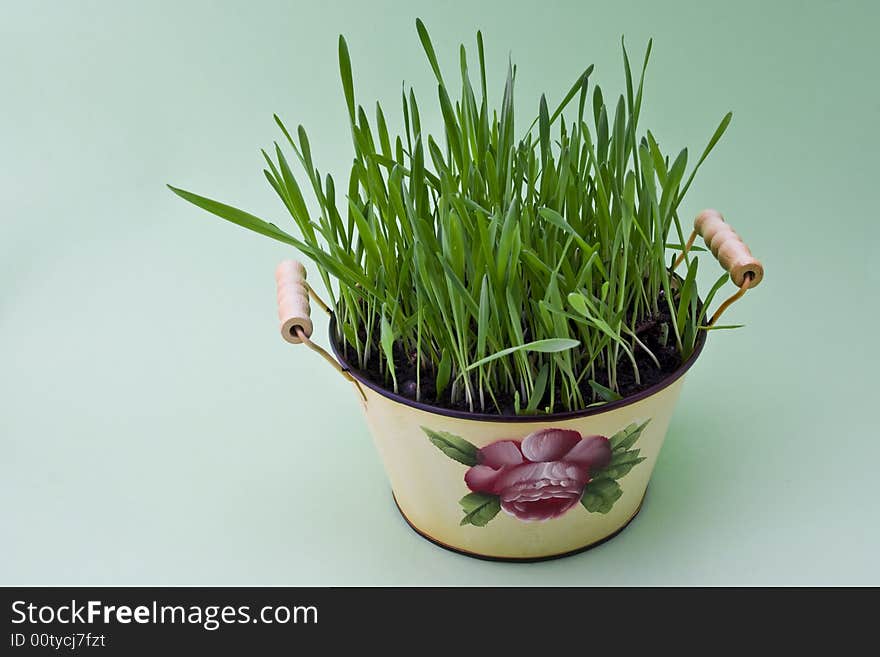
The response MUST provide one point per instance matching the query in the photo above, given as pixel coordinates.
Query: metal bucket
(520, 488)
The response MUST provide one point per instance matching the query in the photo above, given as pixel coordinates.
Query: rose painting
(543, 475)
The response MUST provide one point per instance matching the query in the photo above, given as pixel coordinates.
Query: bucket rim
(514, 419)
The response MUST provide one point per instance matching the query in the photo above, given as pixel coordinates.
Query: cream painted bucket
(520, 488)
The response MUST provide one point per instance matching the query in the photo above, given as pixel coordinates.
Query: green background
(154, 429)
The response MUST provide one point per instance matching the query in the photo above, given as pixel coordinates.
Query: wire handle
(745, 270)
(294, 312)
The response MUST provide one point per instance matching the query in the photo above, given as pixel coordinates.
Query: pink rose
(543, 476)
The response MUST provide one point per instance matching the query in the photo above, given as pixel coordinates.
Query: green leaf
(444, 372)
(386, 338)
(626, 438)
(670, 186)
(547, 346)
(579, 303)
(688, 292)
(483, 317)
(236, 216)
(559, 221)
(479, 509)
(425, 38)
(350, 335)
(365, 232)
(694, 247)
(345, 74)
(578, 85)
(540, 388)
(482, 63)
(605, 394)
(600, 495)
(453, 446)
(544, 130)
(628, 75)
(621, 463)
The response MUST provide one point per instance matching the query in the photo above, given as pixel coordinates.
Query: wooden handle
(728, 248)
(293, 300)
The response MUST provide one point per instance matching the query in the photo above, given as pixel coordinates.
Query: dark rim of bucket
(492, 417)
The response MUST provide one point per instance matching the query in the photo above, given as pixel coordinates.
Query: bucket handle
(294, 312)
(745, 270)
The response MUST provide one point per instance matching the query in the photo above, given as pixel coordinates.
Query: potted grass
(505, 302)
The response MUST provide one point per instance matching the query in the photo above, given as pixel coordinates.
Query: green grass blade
(547, 346)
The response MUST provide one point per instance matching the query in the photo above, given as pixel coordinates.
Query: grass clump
(498, 267)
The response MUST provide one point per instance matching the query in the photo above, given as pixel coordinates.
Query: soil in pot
(654, 332)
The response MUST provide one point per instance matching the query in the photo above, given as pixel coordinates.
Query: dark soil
(650, 332)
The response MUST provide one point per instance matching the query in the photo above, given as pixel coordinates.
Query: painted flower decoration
(543, 475)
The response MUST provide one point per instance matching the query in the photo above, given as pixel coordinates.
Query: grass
(499, 264)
